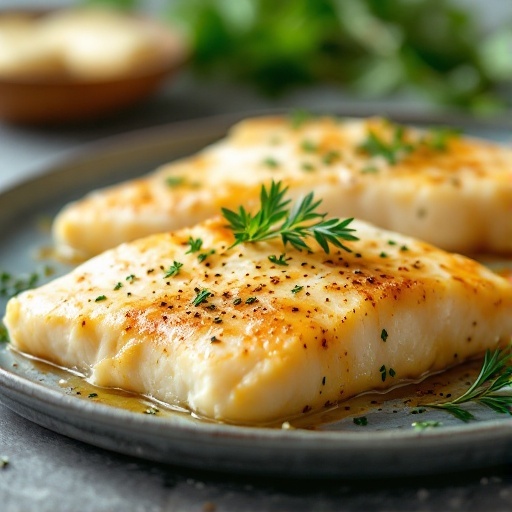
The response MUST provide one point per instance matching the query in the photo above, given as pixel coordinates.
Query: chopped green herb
(404, 248)
(173, 269)
(391, 242)
(175, 181)
(362, 421)
(118, 286)
(214, 339)
(201, 297)
(423, 425)
(251, 300)
(384, 335)
(131, 278)
(391, 151)
(383, 372)
(4, 334)
(298, 117)
(278, 261)
(201, 257)
(438, 138)
(330, 157)
(309, 146)
(270, 162)
(495, 374)
(296, 225)
(307, 167)
(195, 245)
(92, 395)
(392, 372)
(297, 288)
(383, 255)
(100, 298)
(217, 320)
(237, 301)
(11, 285)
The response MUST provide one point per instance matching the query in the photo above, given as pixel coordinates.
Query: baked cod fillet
(237, 337)
(451, 191)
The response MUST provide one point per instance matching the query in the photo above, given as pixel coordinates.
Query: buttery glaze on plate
(452, 191)
(267, 342)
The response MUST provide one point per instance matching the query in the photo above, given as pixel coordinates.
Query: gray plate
(386, 446)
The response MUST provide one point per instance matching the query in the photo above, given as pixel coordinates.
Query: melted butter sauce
(409, 397)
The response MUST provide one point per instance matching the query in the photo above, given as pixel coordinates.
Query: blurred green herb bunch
(438, 49)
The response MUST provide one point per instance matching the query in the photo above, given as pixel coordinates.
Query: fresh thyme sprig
(275, 219)
(495, 374)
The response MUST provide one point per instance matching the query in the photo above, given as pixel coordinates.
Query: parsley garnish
(118, 286)
(362, 421)
(392, 151)
(308, 146)
(271, 162)
(330, 157)
(384, 335)
(299, 117)
(11, 285)
(201, 257)
(250, 300)
(297, 288)
(100, 298)
(275, 219)
(495, 374)
(201, 297)
(175, 181)
(278, 261)
(4, 335)
(173, 269)
(195, 245)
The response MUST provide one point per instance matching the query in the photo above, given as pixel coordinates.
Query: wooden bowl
(52, 100)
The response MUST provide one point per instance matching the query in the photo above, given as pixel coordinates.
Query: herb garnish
(362, 421)
(278, 261)
(201, 296)
(201, 257)
(271, 162)
(392, 151)
(173, 269)
(11, 285)
(195, 245)
(275, 219)
(495, 374)
(100, 298)
(297, 288)
(175, 181)
(384, 335)
(4, 335)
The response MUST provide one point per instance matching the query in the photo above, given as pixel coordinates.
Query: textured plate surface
(332, 445)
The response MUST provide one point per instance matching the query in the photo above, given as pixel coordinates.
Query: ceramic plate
(372, 435)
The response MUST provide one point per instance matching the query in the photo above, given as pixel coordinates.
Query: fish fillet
(237, 337)
(454, 192)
